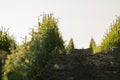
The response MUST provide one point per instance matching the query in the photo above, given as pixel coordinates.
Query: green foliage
(7, 43)
(70, 47)
(92, 44)
(45, 42)
(111, 38)
(30, 59)
(16, 65)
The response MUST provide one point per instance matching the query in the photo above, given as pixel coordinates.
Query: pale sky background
(79, 19)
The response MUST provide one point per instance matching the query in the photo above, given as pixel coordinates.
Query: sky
(78, 19)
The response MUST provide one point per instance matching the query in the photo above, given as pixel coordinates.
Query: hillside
(82, 65)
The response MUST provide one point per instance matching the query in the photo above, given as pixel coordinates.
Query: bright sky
(79, 19)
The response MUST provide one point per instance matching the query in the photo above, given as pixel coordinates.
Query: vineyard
(45, 56)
